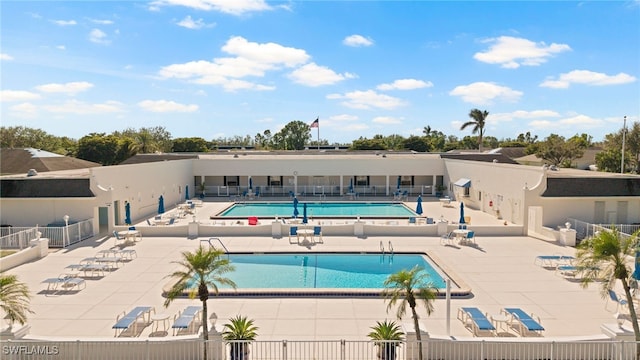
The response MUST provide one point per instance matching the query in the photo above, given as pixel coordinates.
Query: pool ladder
(390, 247)
(213, 239)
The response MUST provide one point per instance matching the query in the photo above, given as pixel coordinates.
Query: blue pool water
(325, 270)
(319, 209)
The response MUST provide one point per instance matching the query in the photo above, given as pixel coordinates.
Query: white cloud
(386, 120)
(101, 21)
(405, 84)
(357, 41)
(189, 23)
(511, 52)
(162, 106)
(587, 78)
(367, 100)
(483, 93)
(64, 22)
(82, 108)
(61, 47)
(5, 57)
(24, 110)
(233, 7)
(315, 75)
(99, 37)
(68, 88)
(17, 95)
(521, 114)
(568, 123)
(251, 59)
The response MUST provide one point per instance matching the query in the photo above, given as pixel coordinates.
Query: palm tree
(606, 256)
(205, 269)
(478, 123)
(14, 299)
(409, 286)
(240, 331)
(387, 336)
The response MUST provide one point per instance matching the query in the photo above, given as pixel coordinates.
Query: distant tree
(18, 137)
(126, 148)
(478, 123)
(368, 144)
(293, 136)
(263, 141)
(467, 143)
(490, 142)
(557, 151)
(527, 138)
(191, 144)
(613, 144)
(394, 141)
(98, 147)
(610, 160)
(417, 143)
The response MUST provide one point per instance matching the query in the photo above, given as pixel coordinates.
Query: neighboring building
(21, 161)
(531, 197)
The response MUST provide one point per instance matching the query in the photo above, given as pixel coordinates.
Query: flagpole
(318, 136)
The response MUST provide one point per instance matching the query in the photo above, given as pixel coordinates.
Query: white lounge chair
(476, 321)
(186, 322)
(523, 322)
(65, 282)
(129, 322)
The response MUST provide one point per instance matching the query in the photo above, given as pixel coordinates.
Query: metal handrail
(226, 251)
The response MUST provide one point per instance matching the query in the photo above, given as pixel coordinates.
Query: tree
(368, 144)
(478, 123)
(241, 331)
(417, 143)
(205, 268)
(293, 136)
(192, 144)
(558, 151)
(387, 336)
(14, 299)
(98, 147)
(407, 287)
(605, 256)
(610, 160)
(613, 144)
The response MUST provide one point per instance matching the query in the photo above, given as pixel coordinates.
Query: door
(103, 219)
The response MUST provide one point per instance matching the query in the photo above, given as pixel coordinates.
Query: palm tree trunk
(633, 315)
(416, 326)
(205, 330)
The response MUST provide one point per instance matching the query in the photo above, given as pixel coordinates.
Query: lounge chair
(172, 221)
(129, 322)
(448, 238)
(317, 232)
(567, 270)
(616, 299)
(471, 237)
(187, 320)
(293, 231)
(65, 282)
(412, 220)
(149, 223)
(118, 237)
(523, 322)
(552, 261)
(430, 221)
(476, 321)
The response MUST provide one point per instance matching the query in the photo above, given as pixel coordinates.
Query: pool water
(325, 270)
(319, 209)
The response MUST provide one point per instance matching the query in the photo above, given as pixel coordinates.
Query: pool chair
(471, 237)
(616, 299)
(149, 223)
(65, 282)
(133, 322)
(172, 221)
(293, 231)
(448, 238)
(317, 233)
(187, 321)
(522, 322)
(476, 321)
(567, 271)
(552, 261)
(118, 237)
(430, 221)
(412, 220)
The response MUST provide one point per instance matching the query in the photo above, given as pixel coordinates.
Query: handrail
(213, 246)
(382, 247)
(390, 247)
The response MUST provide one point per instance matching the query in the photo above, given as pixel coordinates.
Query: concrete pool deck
(500, 272)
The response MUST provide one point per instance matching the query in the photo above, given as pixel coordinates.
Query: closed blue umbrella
(295, 207)
(419, 206)
(351, 185)
(250, 184)
(127, 213)
(461, 213)
(636, 271)
(186, 192)
(304, 213)
(399, 181)
(161, 205)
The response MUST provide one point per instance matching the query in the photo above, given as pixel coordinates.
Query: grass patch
(4, 253)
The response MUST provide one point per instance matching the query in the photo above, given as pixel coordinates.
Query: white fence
(317, 190)
(154, 349)
(59, 236)
(585, 229)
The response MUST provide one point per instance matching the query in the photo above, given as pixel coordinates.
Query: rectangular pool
(319, 209)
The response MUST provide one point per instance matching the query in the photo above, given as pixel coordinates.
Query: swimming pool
(319, 209)
(318, 274)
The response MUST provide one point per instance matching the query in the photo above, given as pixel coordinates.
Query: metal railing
(161, 349)
(59, 236)
(585, 229)
(316, 190)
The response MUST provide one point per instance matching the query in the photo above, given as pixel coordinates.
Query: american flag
(315, 123)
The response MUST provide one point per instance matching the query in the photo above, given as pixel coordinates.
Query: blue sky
(219, 68)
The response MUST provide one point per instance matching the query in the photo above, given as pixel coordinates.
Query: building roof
(485, 157)
(45, 188)
(584, 186)
(20, 161)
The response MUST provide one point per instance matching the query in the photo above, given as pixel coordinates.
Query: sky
(225, 68)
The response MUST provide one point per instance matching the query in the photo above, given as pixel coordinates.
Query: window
(274, 180)
(362, 180)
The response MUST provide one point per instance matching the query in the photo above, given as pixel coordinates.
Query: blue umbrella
(186, 192)
(636, 271)
(295, 207)
(419, 206)
(351, 185)
(461, 213)
(127, 213)
(399, 181)
(161, 205)
(304, 213)
(250, 184)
